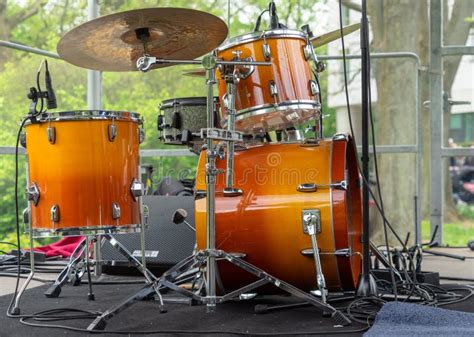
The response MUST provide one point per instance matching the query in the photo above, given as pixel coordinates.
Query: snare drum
(281, 182)
(181, 119)
(272, 97)
(83, 175)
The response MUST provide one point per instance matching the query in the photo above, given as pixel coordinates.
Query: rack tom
(83, 175)
(272, 97)
(181, 119)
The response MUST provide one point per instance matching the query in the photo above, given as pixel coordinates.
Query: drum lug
(308, 52)
(266, 51)
(246, 71)
(141, 135)
(313, 88)
(54, 214)
(307, 187)
(311, 220)
(136, 189)
(51, 132)
(26, 220)
(273, 88)
(160, 122)
(33, 194)
(23, 139)
(112, 132)
(115, 211)
(199, 194)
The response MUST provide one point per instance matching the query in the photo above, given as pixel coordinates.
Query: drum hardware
(33, 193)
(112, 130)
(54, 214)
(312, 187)
(141, 134)
(51, 132)
(345, 252)
(90, 295)
(273, 89)
(230, 190)
(221, 134)
(137, 189)
(312, 225)
(313, 87)
(115, 211)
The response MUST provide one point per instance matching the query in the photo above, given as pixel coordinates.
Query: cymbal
(111, 42)
(321, 40)
(198, 72)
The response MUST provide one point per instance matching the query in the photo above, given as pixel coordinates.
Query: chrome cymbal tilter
(209, 256)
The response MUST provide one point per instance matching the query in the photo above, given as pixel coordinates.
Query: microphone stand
(366, 285)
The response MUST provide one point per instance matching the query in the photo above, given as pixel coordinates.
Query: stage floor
(236, 317)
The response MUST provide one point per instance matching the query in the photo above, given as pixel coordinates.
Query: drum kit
(284, 212)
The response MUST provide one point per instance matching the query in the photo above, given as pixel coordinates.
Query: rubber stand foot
(53, 291)
(98, 323)
(163, 310)
(15, 311)
(90, 297)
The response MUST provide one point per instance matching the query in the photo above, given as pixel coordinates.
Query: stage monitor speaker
(166, 243)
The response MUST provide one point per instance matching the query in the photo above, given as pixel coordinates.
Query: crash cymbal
(112, 43)
(198, 72)
(321, 40)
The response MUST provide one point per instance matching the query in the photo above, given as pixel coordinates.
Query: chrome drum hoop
(85, 115)
(267, 108)
(267, 34)
(79, 231)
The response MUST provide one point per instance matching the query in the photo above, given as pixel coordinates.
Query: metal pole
(94, 102)
(94, 78)
(366, 285)
(210, 200)
(436, 118)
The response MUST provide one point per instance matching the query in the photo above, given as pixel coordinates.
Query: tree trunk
(4, 32)
(397, 25)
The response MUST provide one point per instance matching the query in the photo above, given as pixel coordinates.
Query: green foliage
(24, 242)
(466, 211)
(454, 234)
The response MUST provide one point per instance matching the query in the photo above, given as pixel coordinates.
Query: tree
(399, 25)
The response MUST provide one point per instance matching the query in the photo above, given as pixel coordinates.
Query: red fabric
(63, 247)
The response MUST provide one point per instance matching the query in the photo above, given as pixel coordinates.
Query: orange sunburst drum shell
(257, 109)
(84, 173)
(265, 223)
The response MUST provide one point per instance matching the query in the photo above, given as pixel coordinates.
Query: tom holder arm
(145, 62)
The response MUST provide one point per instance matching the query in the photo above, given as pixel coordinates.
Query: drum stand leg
(16, 307)
(71, 272)
(90, 295)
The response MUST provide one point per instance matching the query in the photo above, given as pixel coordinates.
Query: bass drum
(265, 223)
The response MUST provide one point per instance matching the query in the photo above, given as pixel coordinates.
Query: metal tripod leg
(55, 289)
(16, 306)
(338, 316)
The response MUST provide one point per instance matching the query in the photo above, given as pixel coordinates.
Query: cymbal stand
(210, 255)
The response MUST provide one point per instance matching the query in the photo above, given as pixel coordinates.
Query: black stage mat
(144, 315)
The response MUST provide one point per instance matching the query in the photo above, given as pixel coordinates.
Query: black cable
(18, 243)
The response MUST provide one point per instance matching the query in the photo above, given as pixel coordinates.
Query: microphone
(274, 24)
(51, 97)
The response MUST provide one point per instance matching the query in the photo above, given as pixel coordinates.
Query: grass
(454, 234)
